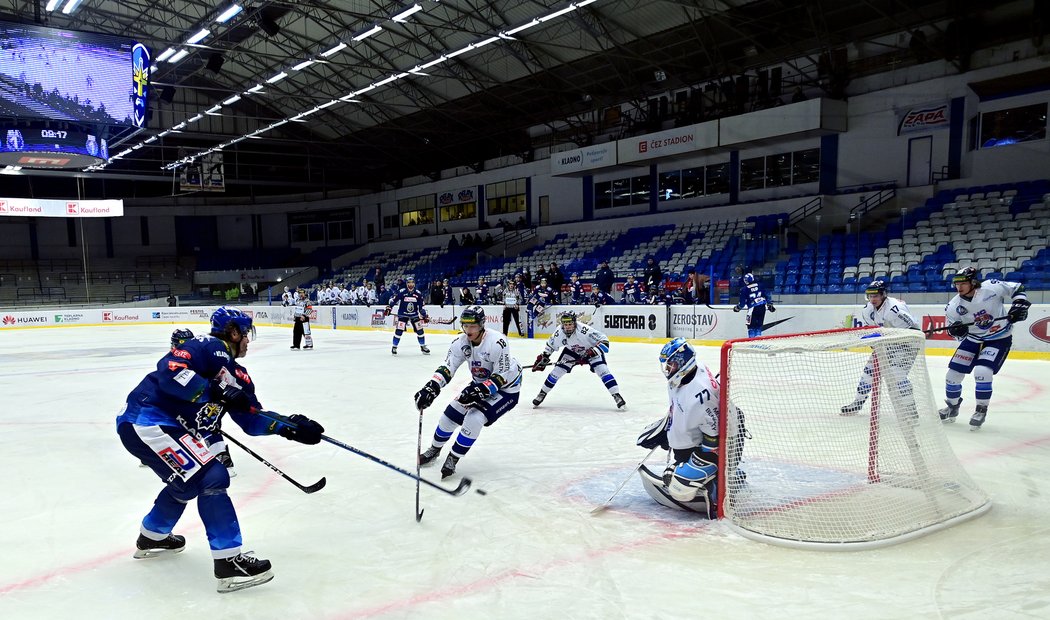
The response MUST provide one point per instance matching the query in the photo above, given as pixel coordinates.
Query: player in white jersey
(493, 392)
(978, 316)
(884, 311)
(689, 431)
(581, 344)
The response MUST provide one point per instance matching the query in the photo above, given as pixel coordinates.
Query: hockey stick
(313, 488)
(463, 487)
(947, 327)
(605, 505)
(419, 447)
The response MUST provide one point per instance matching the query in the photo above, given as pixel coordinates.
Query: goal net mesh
(798, 471)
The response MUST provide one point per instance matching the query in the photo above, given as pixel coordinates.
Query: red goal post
(795, 470)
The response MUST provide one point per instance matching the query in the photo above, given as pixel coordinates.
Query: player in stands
(581, 344)
(409, 302)
(978, 317)
(493, 391)
(689, 431)
(301, 322)
(164, 424)
(754, 299)
(481, 296)
(542, 297)
(576, 294)
(633, 293)
(881, 311)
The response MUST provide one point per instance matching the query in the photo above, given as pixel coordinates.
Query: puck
(480, 492)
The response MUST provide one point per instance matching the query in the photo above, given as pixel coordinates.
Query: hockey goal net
(797, 471)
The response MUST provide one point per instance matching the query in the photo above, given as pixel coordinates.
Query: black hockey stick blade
(313, 488)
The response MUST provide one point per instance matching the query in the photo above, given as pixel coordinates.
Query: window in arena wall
(805, 166)
(1004, 127)
(752, 173)
(716, 179)
(307, 233)
(603, 195)
(621, 191)
(505, 197)
(670, 185)
(692, 182)
(460, 211)
(341, 230)
(641, 189)
(389, 221)
(417, 218)
(417, 210)
(778, 170)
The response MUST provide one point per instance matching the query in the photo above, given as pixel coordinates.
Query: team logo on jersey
(983, 320)
(208, 416)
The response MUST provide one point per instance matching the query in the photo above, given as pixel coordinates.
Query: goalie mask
(677, 360)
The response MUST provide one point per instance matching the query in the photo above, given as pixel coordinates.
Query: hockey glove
(959, 330)
(305, 431)
(770, 306)
(475, 393)
(736, 308)
(386, 312)
(231, 396)
(541, 362)
(426, 396)
(1018, 311)
(655, 435)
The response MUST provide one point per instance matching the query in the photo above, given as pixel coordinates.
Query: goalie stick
(463, 487)
(605, 505)
(313, 488)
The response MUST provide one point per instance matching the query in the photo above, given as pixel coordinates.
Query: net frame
(936, 480)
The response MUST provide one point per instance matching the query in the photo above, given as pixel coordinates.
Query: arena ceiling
(461, 111)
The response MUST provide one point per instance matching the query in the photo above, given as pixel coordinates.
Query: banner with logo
(457, 196)
(61, 208)
(923, 118)
(586, 158)
(670, 142)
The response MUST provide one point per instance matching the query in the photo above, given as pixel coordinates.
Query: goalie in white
(986, 335)
(884, 311)
(581, 344)
(689, 431)
(492, 393)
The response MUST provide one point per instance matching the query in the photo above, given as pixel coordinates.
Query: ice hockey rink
(529, 548)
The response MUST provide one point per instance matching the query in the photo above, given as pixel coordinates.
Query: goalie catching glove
(426, 396)
(304, 430)
(542, 360)
(1018, 311)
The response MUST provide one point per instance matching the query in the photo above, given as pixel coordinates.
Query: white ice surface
(73, 499)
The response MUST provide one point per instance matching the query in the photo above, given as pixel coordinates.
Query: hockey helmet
(567, 319)
(473, 315)
(179, 337)
(967, 274)
(225, 317)
(677, 359)
(877, 287)
(749, 278)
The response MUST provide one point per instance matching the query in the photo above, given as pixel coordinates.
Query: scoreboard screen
(72, 76)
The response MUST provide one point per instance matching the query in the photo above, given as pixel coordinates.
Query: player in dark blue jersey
(409, 302)
(481, 295)
(633, 293)
(754, 299)
(576, 294)
(164, 424)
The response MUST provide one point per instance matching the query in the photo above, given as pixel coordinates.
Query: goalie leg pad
(654, 486)
(691, 478)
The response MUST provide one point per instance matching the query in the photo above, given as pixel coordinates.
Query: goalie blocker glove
(959, 330)
(425, 397)
(1018, 311)
(305, 430)
(655, 435)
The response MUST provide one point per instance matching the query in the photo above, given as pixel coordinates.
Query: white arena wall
(702, 324)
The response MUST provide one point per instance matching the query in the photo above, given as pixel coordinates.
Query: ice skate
(620, 402)
(539, 399)
(424, 349)
(978, 417)
(294, 348)
(853, 407)
(430, 454)
(393, 350)
(149, 548)
(449, 467)
(949, 413)
(240, 572)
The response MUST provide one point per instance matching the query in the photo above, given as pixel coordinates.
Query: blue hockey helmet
(179, 337)
(225, 318)
(749, 278)
(677, 359)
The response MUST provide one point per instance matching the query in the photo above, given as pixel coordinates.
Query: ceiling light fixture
(304, 64)
(367, 33)
(197, 38)
(338, 48)
(166, 54)
(277, 78)
(403, 15)
(228, 14)
(179, 55)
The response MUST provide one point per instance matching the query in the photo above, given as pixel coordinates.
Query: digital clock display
(53, 133)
